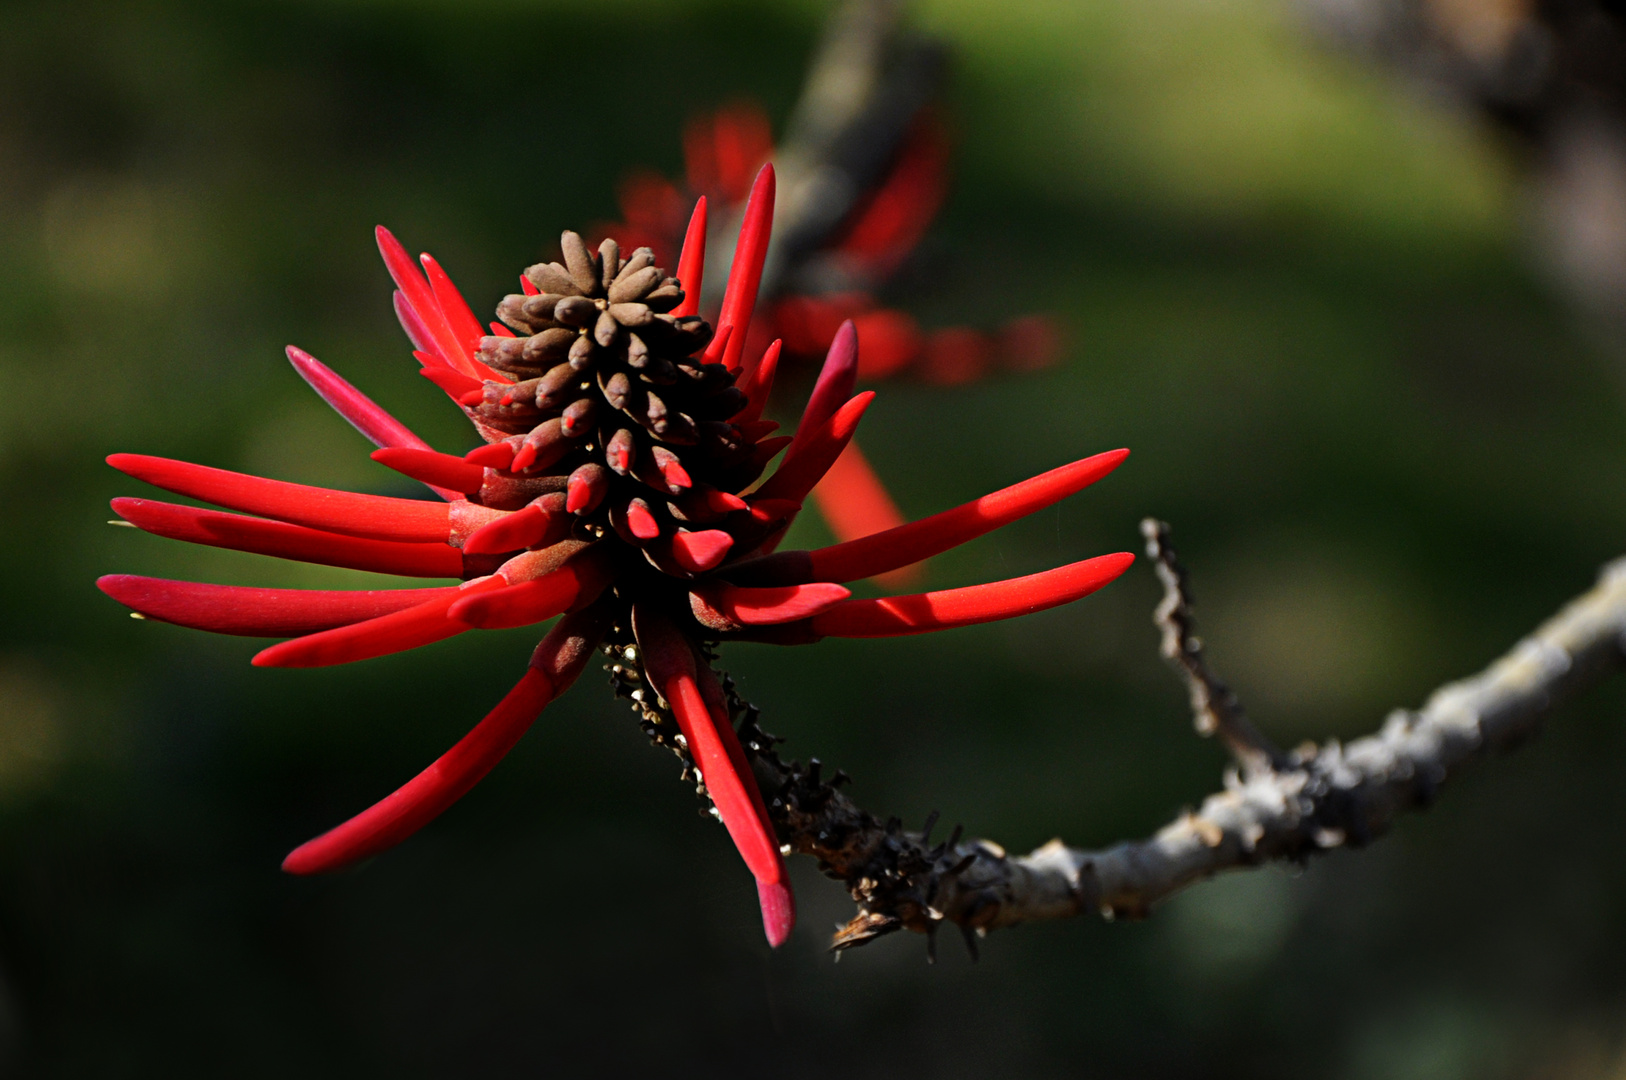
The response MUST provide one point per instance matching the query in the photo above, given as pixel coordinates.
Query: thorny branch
(1276, 806)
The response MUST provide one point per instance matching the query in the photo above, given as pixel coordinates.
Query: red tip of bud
(586, 488)
(497, 455)
(641, 522)
(698, 552)
(778, 910)
(434, 469)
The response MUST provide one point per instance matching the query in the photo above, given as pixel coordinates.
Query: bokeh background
(1299, 291)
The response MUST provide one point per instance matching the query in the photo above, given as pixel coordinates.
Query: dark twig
(1215, 709)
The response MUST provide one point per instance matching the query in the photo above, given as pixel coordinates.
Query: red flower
(617, 490)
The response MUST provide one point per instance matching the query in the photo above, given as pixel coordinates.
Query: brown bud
(634, 286)
(582, 269)
(606, 330)
(581, 353)
(575, 311)
(548, 347)
(502, 353)
(556, 387)
(637, 352)
(609, 260)
(617, 389)
(633, 315)
(664, 298)
(621, 451)
(540, 308)
(552, 278)
(641, 258)
(578, 417)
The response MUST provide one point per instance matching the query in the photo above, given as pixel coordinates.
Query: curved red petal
(234, 609)
(420, 298)
(758, 385)
(376, 516)
(398, 632)
(810, 458)
(745, 273)
(885, 551)
(777, 604)
(692, 261)
(556, 664)
(283, 541)
(925, 612)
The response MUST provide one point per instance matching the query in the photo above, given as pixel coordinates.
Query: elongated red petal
(284, 541)
(459, 317)
(380, 428)
(233, 609)
(884, 551)
(669, 660)
(556, 664)
(765, 607)
(416, 626)
(416, 331)
(837, 379)
(376, 516)
(456, 384)
(925, 612)
(812, 457)
(421, 299)
(575, 584)
(745, 273)
(758, 385)
(432, 468)
(692, 261)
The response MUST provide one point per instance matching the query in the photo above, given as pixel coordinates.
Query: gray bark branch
(1276, 806)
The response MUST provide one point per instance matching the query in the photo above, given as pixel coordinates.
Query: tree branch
(1276, 806)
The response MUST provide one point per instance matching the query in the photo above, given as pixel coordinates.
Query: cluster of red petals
(525, 564)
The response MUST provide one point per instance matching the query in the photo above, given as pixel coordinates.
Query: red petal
(778, 905)
(365, 416)
(925, 612)
(459, 318)
(416, 331)
(421, 299)
(835, 384)
(531, 526)
(669, 661)
(376, 516)
(765, 607)
(811, 457)
(930, 536)
(698, 552)
(456, 384)
(575, 584)
(284, 541)
(745, 273)
(397, 632)
(232, 609)
(528, 286)
(497, 455)
(758, 384)
(692, 261)
(433, 468)
(854, 503)
(557, 662)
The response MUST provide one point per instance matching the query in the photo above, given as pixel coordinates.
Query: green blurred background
(1302, 298)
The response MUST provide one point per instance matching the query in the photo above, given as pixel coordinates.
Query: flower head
(619, 489)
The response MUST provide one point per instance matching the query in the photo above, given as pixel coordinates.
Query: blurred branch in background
(1553, 74)
(1277, 806)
